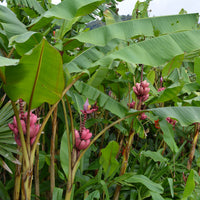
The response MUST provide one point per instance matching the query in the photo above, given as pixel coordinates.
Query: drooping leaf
(197, 69)
(152, 186)
(98, 77)
(38, 78)
(156, 196)
(168, 135)
(64, 154)
(156, 51)
(8, 61)
(174, 63)
(156, 156)
(66, 10)
(108, 159)
(10, 23)
(57, 193)
(185, 115)
(129, 29)
(190, 185)
(169, 93)
(25, 42)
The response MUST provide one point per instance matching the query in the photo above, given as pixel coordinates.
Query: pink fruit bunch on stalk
(142, 90)
(161, 89)
(131, 105)
(171, 121)
(34, 127)
(82, 137)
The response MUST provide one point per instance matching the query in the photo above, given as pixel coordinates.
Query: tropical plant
(141, 77)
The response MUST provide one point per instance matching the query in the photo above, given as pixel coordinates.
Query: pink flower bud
(161, 89)
(143, 116)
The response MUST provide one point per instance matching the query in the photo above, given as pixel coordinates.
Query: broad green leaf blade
(147, 27)
(108, 159)
(57, 193)
(156, 51)
(169, 93)
(156, 196)
(66, 10)
(168, 135)
(190, 185)
(152, 186)
(38, 77)
(102, 99)
(98, 77)
(176, 62)
(197, 69)
(64, 154)
(185, 115)
(25, 42)
(8, 61)
(10, 23)
(139, 129)
(156, 156)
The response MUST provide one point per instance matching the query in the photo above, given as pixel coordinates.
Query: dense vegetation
(108, 112)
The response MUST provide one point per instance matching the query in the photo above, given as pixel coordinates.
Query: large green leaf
(190, 185)
(185, 115)
(168, 135)
(38, 77)
(8, 61)
(156, 51)
(10, 23)
(148, 27)
(156, 156)
(102, 99)
(26, 41)
(152, 186)
(67, 10)
(108, 159)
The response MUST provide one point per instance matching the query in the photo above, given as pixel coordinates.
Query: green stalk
(48, 115)
(124, 163)
(16, 193)
(70, 181)
(52, 152)
(36, 171)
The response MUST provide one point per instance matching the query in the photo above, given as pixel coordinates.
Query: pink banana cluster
(171, 121)
(161, 89)
(83, 139)
(142, 90)
(131, 105)
(34, 128)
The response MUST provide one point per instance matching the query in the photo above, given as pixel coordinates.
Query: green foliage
(42, 76)
(107, 159)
